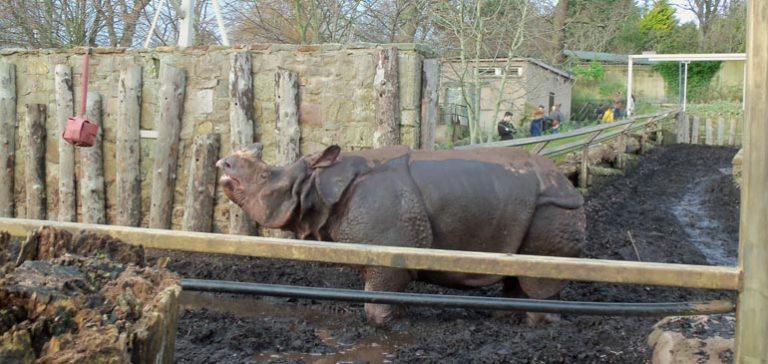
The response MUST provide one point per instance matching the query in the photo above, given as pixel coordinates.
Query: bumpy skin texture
(492, 200)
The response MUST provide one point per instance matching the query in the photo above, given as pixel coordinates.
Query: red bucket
(80, 132)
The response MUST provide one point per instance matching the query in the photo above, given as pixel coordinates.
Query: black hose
(488, 303)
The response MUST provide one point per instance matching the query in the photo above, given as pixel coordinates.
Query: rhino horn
(255, 149)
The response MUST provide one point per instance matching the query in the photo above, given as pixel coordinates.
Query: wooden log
(34, 161)
(732, 132)
(127, 150)
(92, 168)
(171, 101)
(720, 131)
(7, 137)
(201, 186)
(64, 109)
(695, 130)
(430, 83)
(241, 130)
(287, 122)
(286, 127)
(752, 308)
(710, 140)
(385, 85)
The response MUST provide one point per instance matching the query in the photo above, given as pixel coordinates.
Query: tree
(658, 25)
(475, 32)
(707, 13)
(67, 23)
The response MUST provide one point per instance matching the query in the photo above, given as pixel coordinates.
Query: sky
(685, 16)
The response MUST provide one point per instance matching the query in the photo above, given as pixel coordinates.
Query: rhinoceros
(503, 200)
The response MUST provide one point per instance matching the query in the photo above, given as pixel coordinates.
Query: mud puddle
(704, 233)
(378, 347)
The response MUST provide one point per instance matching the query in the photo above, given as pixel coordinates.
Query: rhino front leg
(383, 279)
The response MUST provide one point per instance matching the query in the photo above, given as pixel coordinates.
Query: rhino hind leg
(553, 231)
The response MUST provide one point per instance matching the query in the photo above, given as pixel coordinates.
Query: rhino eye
(264, 175)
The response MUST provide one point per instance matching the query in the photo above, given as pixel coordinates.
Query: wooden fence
(692, 129)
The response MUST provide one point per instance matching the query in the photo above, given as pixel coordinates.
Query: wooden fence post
(65, 109)
(241, 130)
(385, 85)
(732, 132)
(584, 171)
(720, 131)
(7, 137)
(695, 130)
(127, 149)
(34, 161)
(201, 186)
(683, 129)
(430, 84)
(171, 105)
(710, 139)
(92, 168)
(287, 122)
(752, 308)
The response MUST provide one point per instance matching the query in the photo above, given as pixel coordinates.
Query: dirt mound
(63, 300)
(636, 209)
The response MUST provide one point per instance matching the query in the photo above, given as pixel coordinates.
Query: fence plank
(385, 85)
(201, 186)
(720, 131)
(287, 128)
(241, 127)
(127, 150)
(287, 122)
(709, 136)
(7, 137)
(695, 130)
(430, 83)
(67, 209)
(34, 161)
(597, 270)
(92, 168)
(171, 101)
(732, 132)
(683, 129)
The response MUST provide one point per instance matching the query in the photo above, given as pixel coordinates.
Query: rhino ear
(255, 149)
(325, 158)
(333, 181)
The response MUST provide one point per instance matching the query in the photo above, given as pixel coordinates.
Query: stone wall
(337, 104)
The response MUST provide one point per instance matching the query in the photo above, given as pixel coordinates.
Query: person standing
(537, 123)
(505, 127)
(557, 118)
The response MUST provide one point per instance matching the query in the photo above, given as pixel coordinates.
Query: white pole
(187, 23)
(220, 22)
(630, 104)
(685, 86)
(154, 23)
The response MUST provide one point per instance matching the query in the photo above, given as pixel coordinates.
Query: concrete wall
(648, 85)
(336, 91)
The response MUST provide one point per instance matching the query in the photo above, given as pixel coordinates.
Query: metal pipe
(487, 303)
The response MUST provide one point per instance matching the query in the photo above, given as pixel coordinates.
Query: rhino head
(278, 197)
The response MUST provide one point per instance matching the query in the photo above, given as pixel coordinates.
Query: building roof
(602, 57)
(537, 62)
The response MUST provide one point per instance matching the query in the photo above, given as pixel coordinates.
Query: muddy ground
(679, 206)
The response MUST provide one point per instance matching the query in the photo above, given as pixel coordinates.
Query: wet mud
(672, 207)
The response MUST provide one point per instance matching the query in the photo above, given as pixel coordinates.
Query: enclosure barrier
(595, 270)
(586, 138)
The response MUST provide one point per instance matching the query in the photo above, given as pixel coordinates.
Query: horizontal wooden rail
(610, 271)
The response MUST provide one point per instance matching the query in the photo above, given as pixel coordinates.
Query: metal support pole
(187, 23)
(220, 22)
(685, 85)
(630, 103)
(752, 312)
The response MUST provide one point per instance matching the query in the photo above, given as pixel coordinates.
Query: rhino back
(480, 204)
